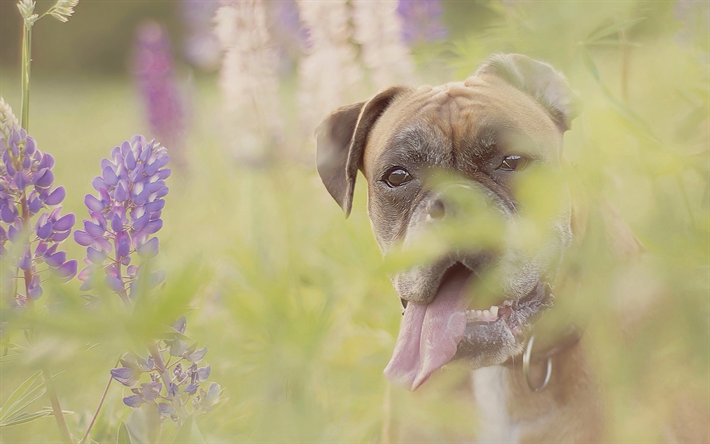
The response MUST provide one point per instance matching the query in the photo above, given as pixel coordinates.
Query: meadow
(292, 300)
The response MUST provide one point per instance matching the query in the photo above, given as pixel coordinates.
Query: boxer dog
(481, 135)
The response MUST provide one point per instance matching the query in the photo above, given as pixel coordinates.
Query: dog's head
(479, 135)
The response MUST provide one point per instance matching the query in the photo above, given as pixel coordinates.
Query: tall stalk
(26, 61)
(61, 11)
(56, 407)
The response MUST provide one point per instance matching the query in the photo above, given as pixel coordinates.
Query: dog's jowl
(422, 152)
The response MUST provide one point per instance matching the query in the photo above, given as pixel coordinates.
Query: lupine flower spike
(201, 46)
(378, 29)
(248, 80)
(174, 385)
(289, 37)
(422, 21)
(154, 74)
(26, 190)
(124, 215)
(330, 74)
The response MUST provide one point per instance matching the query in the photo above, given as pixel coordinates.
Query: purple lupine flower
(288, 34)
(124, 215)
(422, 21)
(170, 383)
(201, 46)
(153, 70)
(26, 190)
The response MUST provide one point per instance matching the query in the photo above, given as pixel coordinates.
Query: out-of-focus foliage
(294, 301)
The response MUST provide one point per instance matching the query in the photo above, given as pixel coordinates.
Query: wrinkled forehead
(473, 120)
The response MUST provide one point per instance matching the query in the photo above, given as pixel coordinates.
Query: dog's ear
(539, 80)
(341, 140)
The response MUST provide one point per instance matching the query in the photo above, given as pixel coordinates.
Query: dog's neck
(567, 410)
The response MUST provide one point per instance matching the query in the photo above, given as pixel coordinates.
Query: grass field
(293, 301)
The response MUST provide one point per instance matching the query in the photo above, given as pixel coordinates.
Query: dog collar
(568, 339)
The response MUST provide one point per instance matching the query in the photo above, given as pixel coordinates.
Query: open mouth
(451, 327)
(538, 297)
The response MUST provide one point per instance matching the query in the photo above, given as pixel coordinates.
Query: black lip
(494, 340)
(537, 300)
(539, 297)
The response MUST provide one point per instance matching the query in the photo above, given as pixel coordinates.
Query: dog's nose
(436, 209)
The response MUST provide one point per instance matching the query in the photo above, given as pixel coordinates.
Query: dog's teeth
(489, 315)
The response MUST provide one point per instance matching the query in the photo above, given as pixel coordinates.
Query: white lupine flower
(248, 78)
(330, 75)
(8, 121)
(378, 28)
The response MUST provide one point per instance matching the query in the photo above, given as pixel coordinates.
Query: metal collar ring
(526, 367)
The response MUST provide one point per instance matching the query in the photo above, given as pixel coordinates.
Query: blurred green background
(293, 301)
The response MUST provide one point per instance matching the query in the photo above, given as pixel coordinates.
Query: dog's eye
(513, 163)
(397, 177)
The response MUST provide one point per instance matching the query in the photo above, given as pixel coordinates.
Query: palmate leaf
(31, 397)
(19, 398)
(23, 418)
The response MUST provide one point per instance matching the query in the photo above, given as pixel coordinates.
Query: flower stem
(165, 374)
(25, 225)
(26, 61)
(159, 363)
(173, 364)
(24, 122)
(56, 406)
(98, 409)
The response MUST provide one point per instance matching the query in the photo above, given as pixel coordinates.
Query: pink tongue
(429, 334)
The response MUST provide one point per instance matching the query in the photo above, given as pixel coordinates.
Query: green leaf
(590, 65)
(123, 436)
(189, 433)
(13, 346)
(612, 29)
(18, 397)
(636, 122)
(7, 358)
(24, 418)
(613, 42)
(31, 397)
